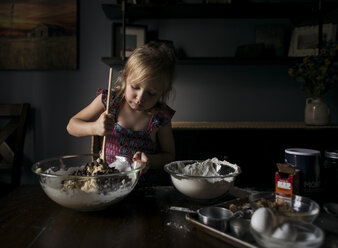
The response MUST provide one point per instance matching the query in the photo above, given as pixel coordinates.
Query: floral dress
(126, 142)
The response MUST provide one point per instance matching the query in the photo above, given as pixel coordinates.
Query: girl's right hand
(141, 158)
(104, 124)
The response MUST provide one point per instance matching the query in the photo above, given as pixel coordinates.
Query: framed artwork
(135, 37)
(39, 35)
(304, 40)
(275, 39)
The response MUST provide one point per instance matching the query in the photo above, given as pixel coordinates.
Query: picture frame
(275, 38)
(135, 37)
(304, 40)
(38, 40)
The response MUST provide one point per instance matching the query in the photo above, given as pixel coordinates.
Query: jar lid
(331, 154)
(302, 151)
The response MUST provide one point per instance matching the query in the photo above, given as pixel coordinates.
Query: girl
(139, 122)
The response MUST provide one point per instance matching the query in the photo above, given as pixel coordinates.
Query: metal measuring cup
(216, 217)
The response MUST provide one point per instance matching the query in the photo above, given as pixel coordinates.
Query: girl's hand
(104, 125)
(141, 158)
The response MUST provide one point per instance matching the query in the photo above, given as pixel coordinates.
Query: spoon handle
(181, 209)
(103, 152)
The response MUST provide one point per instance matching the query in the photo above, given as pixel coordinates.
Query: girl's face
(142, 96)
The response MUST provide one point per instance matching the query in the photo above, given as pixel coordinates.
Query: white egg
(263, 220)
(306, 236)
(286, 232)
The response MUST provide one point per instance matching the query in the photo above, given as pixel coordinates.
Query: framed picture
(39, 35)
(135, 37)
(304, 40)
(275, 39)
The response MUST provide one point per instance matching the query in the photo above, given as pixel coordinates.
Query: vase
(317, 112)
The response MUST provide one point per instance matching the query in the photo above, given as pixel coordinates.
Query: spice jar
(329, 176)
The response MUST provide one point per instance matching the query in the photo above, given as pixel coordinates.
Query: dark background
(202, 92)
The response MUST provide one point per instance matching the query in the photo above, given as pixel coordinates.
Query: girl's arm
(167, 148)
(92, 120)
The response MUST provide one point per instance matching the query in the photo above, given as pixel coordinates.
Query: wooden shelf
(115, 61)
(248, 125)
(112, 61)
(250, 10)
(238, 61)
(293, 11)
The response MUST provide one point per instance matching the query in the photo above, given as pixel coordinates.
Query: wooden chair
(13, 127)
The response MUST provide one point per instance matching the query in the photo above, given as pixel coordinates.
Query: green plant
(318, 74)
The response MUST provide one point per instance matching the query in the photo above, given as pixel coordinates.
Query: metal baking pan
(224, 236)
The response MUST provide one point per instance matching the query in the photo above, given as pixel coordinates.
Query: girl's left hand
(139, 158)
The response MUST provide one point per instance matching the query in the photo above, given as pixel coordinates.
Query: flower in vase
(317, 74)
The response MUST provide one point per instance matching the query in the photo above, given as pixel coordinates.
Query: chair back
(13, 127)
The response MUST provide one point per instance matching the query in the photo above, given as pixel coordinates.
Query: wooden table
(28, 218)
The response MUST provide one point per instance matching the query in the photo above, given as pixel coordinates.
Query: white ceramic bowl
(83, 193)
(202, 187)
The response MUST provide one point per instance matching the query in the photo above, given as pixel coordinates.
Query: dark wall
(202, 93)
(256, 151)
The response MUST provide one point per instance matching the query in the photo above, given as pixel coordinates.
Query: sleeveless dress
(126, 142)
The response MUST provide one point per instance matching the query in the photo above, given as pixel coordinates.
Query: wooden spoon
(103, 152)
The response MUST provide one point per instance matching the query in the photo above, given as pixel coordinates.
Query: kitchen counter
(254, 146)
(28, 218)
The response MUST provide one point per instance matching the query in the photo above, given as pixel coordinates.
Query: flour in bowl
(208, 179)
(208, 168)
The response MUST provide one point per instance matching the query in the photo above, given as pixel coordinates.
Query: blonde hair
(152, 61)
